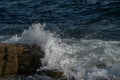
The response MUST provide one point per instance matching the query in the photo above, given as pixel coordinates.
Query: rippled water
(73, 18)
(77, 36)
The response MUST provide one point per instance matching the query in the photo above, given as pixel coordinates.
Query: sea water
(76, 58)
(76, 35)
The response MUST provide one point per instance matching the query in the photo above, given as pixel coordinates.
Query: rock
(53, 73)
(23, 60)
(17, 59)
(101, 65)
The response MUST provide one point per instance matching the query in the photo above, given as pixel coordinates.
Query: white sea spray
(78, 59)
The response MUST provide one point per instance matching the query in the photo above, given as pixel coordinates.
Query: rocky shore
(23, 60)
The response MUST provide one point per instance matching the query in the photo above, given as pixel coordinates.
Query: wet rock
(17, 59)
(24, 60)
(101, 65)
(54, 73)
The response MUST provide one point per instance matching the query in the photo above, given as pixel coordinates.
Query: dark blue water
(79, 34)
(86, 19)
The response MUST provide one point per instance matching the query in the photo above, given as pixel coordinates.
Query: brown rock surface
(23, 60)
(18, 59)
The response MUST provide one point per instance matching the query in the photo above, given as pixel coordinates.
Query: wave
(82, 59)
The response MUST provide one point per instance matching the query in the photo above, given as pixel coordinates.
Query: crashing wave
(81, 59)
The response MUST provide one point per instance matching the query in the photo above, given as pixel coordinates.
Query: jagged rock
(17, 59)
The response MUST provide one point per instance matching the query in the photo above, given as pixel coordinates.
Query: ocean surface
(76, 35)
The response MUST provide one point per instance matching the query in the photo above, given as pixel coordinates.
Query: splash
(57, 52)
(81, 59)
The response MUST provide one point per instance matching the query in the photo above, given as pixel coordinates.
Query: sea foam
(77, 59)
